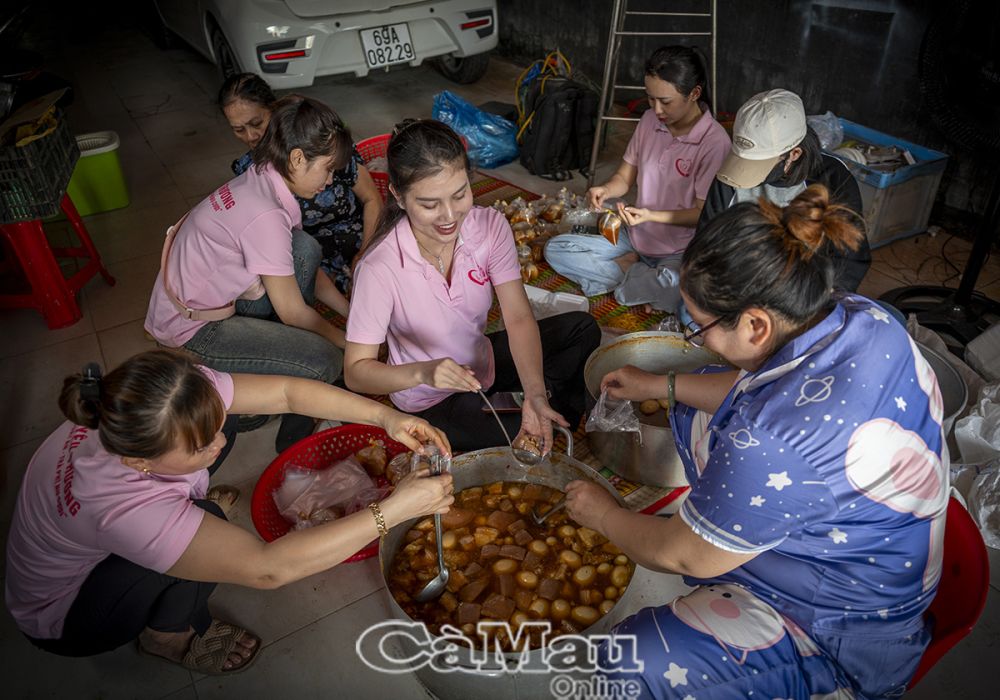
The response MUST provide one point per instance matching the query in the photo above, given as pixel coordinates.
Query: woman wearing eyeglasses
(812, 532)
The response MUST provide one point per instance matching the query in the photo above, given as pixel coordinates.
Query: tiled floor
(175, 149)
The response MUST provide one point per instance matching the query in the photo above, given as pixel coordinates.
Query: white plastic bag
(612, 416)
(978, 433)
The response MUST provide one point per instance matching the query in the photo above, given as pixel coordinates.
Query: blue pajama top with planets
(827, 462)
(335, 217)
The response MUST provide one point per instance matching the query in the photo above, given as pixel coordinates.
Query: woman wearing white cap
(776, 155)
(671, 160)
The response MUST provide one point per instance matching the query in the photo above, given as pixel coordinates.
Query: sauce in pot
(505, 568)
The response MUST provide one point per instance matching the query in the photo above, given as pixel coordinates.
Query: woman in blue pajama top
(814, 526)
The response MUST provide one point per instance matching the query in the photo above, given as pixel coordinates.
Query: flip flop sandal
(225, 496)
(209, 652)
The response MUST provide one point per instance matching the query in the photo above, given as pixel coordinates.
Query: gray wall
(856, 58)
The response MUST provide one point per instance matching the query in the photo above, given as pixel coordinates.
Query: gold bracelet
(379, 519)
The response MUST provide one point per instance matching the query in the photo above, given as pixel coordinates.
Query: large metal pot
(478, 469)
(650, 456)
(954, 391)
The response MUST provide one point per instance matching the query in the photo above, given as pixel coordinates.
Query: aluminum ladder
(609, 84)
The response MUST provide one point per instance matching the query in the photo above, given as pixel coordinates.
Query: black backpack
(557, 128)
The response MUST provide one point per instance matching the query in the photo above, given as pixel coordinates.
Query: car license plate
(386, 45)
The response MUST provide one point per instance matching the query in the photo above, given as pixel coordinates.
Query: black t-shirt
(850, 266)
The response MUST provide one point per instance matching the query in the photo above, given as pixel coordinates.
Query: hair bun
(811, 219)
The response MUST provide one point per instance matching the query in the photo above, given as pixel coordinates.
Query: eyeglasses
(695, 334)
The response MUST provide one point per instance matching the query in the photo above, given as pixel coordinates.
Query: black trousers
(567, 341)
(119, 598)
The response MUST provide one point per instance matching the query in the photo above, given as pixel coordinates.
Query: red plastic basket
(370, 149)
(319, 451)
(374, 147)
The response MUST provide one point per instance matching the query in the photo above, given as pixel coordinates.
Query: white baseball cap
(767, 126)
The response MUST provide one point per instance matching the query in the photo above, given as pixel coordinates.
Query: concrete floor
(175, 149)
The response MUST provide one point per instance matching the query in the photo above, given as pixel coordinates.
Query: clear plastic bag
(580, 216)
(612, 416)
(308, 497)
(827, 128)
(399, 466)
(491, 139)
(362, 499)
(670, 324)
(979, 487)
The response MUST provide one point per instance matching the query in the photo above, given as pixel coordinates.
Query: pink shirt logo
(683, 166)
(225, 195)
(479, 276)
(63, 481)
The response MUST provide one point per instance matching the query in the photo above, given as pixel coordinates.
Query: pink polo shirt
(401, 298)
(241, 231)
(77, 504)
(672, 174)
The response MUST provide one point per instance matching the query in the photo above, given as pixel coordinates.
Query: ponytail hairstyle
(418, 149)
(248, 87)
(765, 256)
(684, 67)
(806, 166)
(307, 124)
(149, 405)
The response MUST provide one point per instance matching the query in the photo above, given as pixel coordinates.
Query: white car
(291, 42)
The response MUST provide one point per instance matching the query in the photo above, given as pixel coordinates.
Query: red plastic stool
(962, 589)
(51, 293)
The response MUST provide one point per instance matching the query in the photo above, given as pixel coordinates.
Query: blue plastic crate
(896, 204)
(928, 160)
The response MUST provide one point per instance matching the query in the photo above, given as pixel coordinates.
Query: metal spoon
(435, 587)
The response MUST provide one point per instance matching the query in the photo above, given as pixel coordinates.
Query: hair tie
(404, 125)
(90, 384)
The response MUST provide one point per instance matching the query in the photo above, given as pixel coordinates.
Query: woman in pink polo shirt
(239, 276)
(110, 540)
(425, 284)
(672, 158)
(343, 214)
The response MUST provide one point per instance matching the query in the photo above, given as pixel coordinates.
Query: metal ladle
(435, 587)
(526, 458)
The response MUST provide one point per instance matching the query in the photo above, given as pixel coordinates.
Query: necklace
(437, 256)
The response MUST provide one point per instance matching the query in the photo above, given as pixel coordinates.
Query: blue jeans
(589, 260)
(254, 341)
